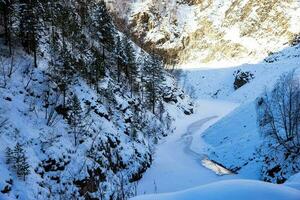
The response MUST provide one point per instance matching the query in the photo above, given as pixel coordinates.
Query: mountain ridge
(206, 31)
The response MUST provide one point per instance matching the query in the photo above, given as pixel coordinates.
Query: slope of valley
(211, 41)
(77, 117)
(149, 99)
(191, 32)
(221, 145)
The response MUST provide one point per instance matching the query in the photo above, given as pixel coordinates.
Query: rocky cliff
(210, 31)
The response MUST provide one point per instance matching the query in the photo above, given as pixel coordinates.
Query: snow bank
(233, 190)
(294, 181)
(233, 140)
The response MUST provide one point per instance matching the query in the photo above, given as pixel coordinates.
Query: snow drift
(233, 190)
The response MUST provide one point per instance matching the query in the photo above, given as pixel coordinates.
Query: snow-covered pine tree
(119, 57)
(101, 24)
(161, 110)
(97, 67)
(9, 155)
(153, 77)
(62, 72)
(17, 159)
(29, 26)
(75, 119)
(131, 68)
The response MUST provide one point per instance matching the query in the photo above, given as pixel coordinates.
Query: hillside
(80, 112)
(236, 139)
(221, 146)
(205, 32)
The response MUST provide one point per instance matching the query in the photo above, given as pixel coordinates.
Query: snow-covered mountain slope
(84, 110)
(76, 120)
(235, 140)
(217, 81)
(224, 133)
(219, 31)
(105, 150)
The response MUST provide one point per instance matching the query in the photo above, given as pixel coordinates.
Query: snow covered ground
(233, 141)
(234, 190)
(176, 165)
(223, 129)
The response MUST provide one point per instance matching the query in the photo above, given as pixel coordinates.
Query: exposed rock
(206, 31)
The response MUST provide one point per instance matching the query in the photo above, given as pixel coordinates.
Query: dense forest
(75, 93)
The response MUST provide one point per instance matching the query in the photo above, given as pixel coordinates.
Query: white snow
(177, 161)
(233, 190)
(223, 129)
(106, 122)
(294, 181)
(187, 18)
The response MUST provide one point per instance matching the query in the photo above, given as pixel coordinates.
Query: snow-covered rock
(220, 31)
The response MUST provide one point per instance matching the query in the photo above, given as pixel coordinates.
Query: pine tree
(131, 68)
(17, 159)
(97, 67)
(9, 155)
(101, 24)
(20, 162)
(83, 10)
(120, 58)
(6, 11)
(161, 109)
(153, 72)
(29, 26)
(75, 119)
(66, 21)
(62, 71)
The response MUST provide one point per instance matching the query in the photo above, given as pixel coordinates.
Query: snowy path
(177, 161)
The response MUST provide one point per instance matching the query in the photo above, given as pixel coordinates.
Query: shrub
(17, 159)
(279, 113)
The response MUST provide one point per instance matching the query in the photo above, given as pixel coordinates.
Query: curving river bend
(203, 159)
(180, 161)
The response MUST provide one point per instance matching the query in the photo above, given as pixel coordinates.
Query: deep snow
(234, 189)
(175, 166)
(224, 129)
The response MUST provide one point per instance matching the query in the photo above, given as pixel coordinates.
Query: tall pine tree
(120, 58)
(153, 77)
(101, 26)
(131, 68)
(29, 26)
(75, 119)
(6, 12)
